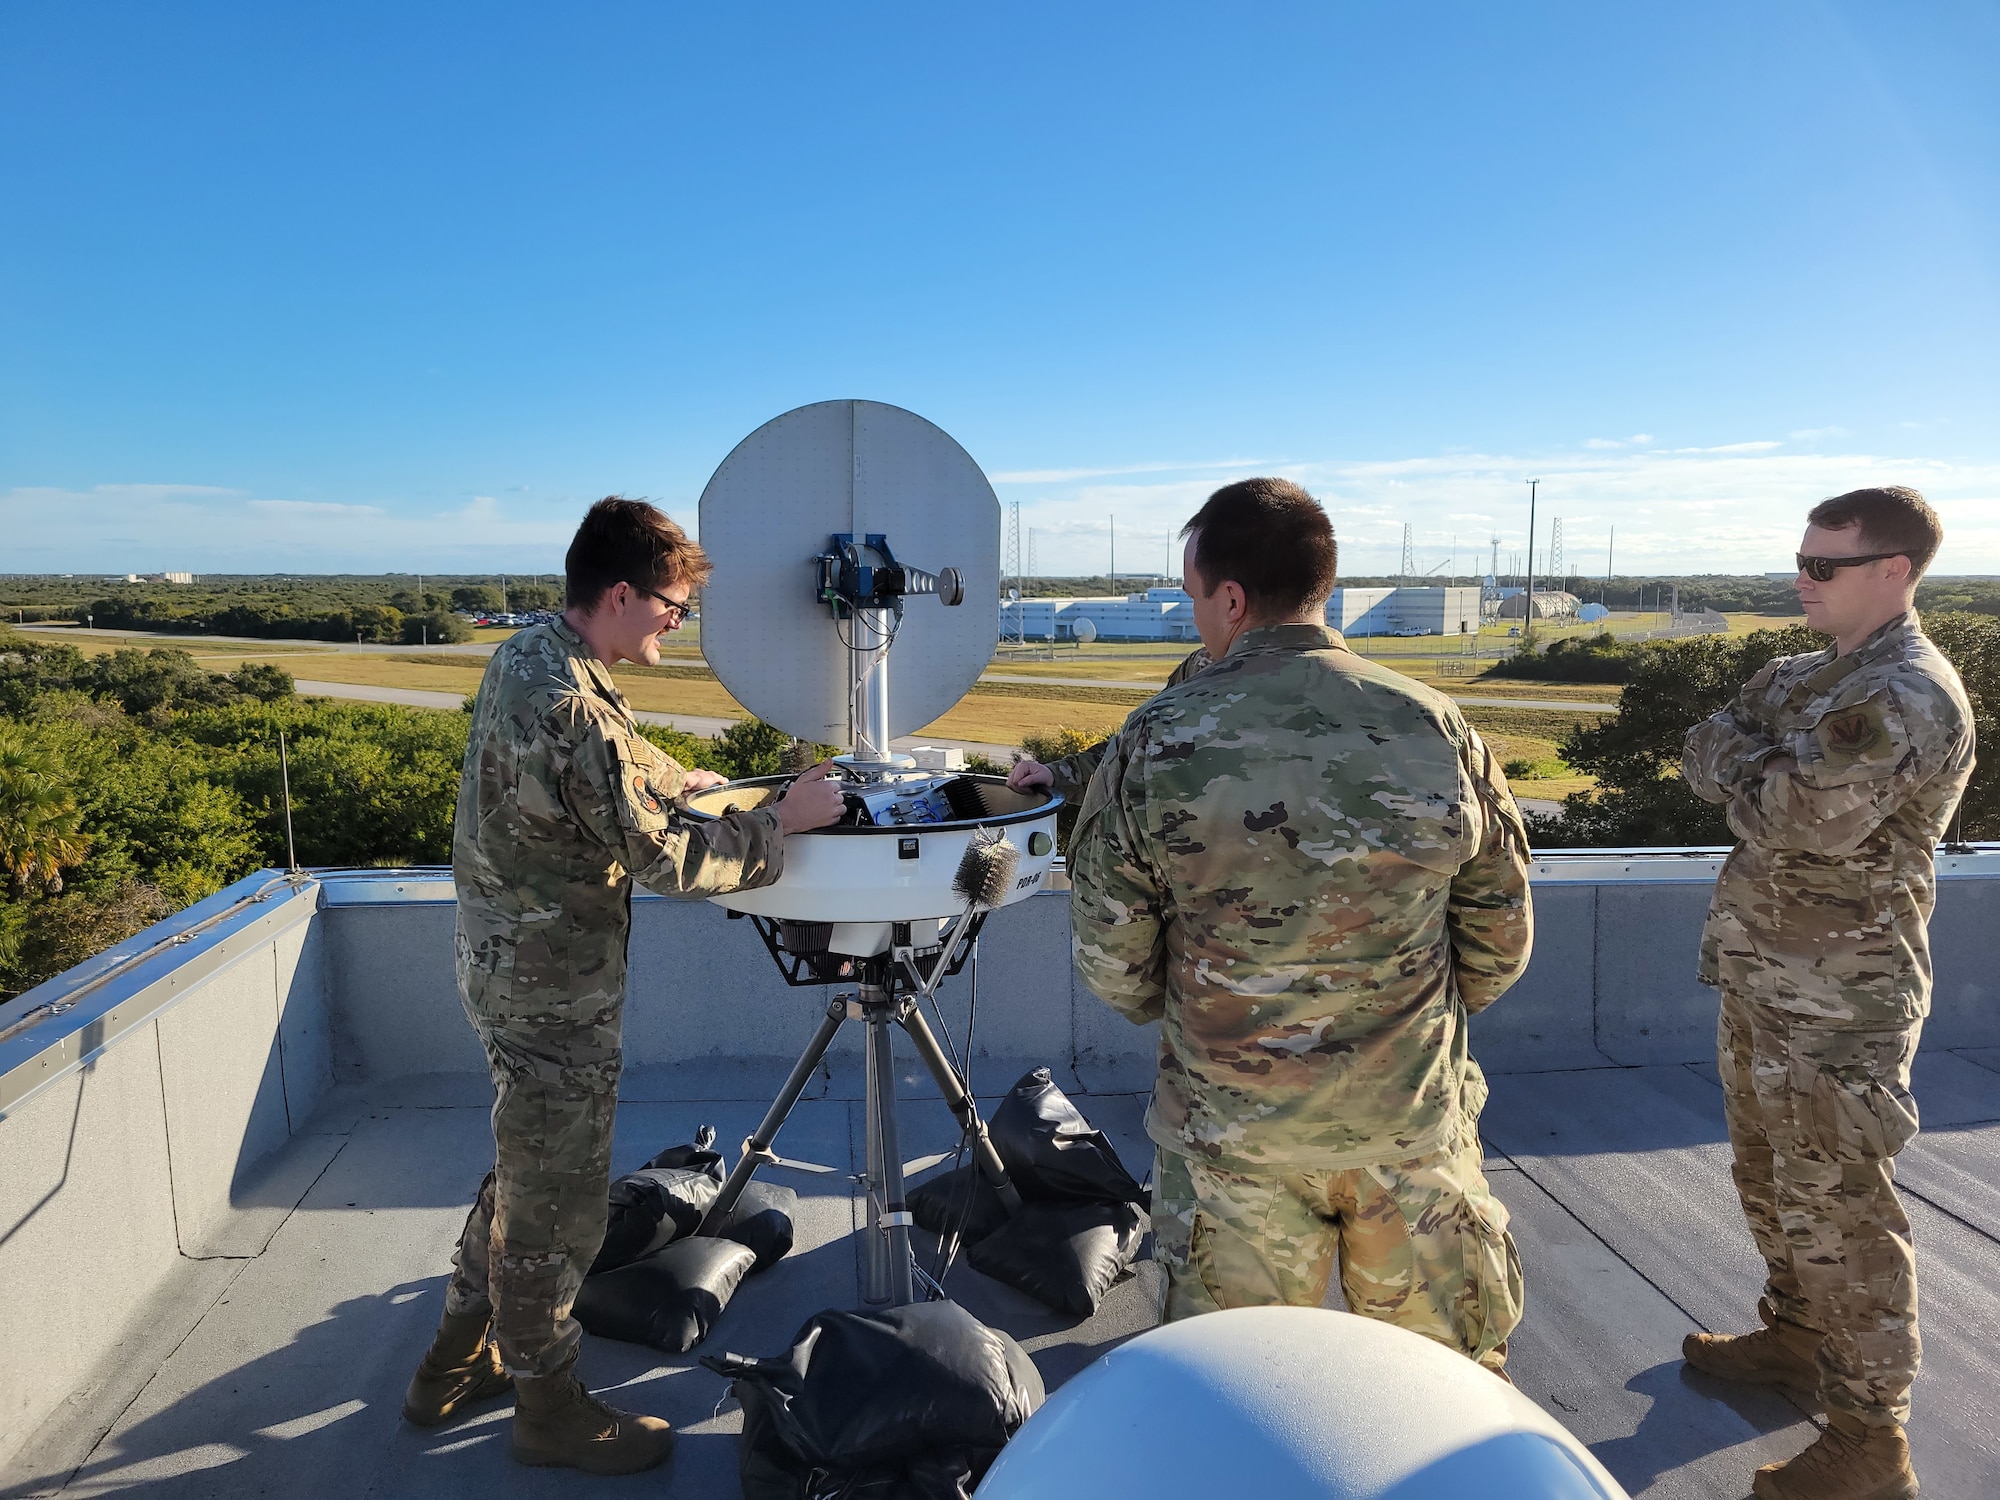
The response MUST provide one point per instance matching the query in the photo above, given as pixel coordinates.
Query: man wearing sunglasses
(562, 805)
(1840, 769)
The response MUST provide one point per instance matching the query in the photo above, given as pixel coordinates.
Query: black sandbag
(1050, 1151)
(912, 1403)
(669, 1299)
(699, 1156)
(937, 1203)
(1064, 1255)
(763, 1219)
(650, 1209)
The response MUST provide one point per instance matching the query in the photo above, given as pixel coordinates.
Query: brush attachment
(985, 873)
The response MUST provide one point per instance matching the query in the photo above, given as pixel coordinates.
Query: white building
(1404, 611)
(1156, 615)
(1167, 614)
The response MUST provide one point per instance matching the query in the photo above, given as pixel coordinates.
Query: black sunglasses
(678, 606)
(1821, 569)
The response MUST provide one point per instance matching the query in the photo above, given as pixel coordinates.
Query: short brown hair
(1270, 538)
(628, 541)
(1894, 518)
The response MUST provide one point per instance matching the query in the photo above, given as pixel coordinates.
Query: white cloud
(1727, 508)
(146, 528)
(314, 508)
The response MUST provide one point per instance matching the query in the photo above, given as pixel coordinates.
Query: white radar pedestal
(847, 538)
(1286, 1403)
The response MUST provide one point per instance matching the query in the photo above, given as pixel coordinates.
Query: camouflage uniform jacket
(1073, 772)
(1822, 909)
(1310, 869)
(561, 806)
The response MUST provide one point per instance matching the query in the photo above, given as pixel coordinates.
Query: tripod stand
(890, 986)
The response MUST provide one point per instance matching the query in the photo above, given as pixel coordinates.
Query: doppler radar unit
(815, 524)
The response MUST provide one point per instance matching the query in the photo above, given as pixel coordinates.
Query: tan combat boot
(1851, 1461)
(462, 1365)
(559, 1424)
(1776, 1354)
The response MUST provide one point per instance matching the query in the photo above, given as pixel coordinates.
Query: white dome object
(1281, 1403)
(1085, 630)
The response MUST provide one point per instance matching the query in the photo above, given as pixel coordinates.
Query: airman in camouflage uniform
(1818, 940)
(562, 806)
(1310, 869)
(1840, 770)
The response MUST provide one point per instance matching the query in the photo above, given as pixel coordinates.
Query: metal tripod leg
(953, 1088)
(757, 1149)
(890, 1277)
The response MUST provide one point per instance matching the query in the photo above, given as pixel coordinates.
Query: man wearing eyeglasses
(1840, 769)
(562, 805)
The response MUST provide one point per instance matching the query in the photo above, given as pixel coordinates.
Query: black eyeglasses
(1821, 569)
(678, 606)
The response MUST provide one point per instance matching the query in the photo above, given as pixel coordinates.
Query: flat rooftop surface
(281, 1373)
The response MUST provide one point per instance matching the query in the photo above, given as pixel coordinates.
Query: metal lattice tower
(1556, 551)
(1010, 568)
(1409, 552)
(1494, 571)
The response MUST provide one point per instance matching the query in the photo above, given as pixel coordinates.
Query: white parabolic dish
(855, 467)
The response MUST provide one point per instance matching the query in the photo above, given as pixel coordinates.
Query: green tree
(378, 622)
(524, 596)
(1597, 658)
(1635, 754)
(372, 784)
(1972, 641)
(161, 679)
(41, 826)
(477, 598)
(262, 681)
(438, 627)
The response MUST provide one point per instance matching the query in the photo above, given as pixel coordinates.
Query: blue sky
(383, 287)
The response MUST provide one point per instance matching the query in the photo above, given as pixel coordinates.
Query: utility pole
(1610, 550)
(503, 593)
(1114, 554)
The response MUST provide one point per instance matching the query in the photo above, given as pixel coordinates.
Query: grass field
(1000, 713)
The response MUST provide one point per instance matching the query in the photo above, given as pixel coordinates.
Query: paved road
(686, 723)
(200, 638)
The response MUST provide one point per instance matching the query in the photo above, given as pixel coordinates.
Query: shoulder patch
(1852, 732)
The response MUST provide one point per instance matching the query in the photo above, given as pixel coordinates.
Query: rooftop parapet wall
(145, 1096)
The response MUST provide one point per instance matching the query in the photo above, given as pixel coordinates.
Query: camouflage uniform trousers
(1817, 1113)
(540, 1216)
(1422, 1244)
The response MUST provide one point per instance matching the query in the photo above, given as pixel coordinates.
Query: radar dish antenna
(772, 519)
